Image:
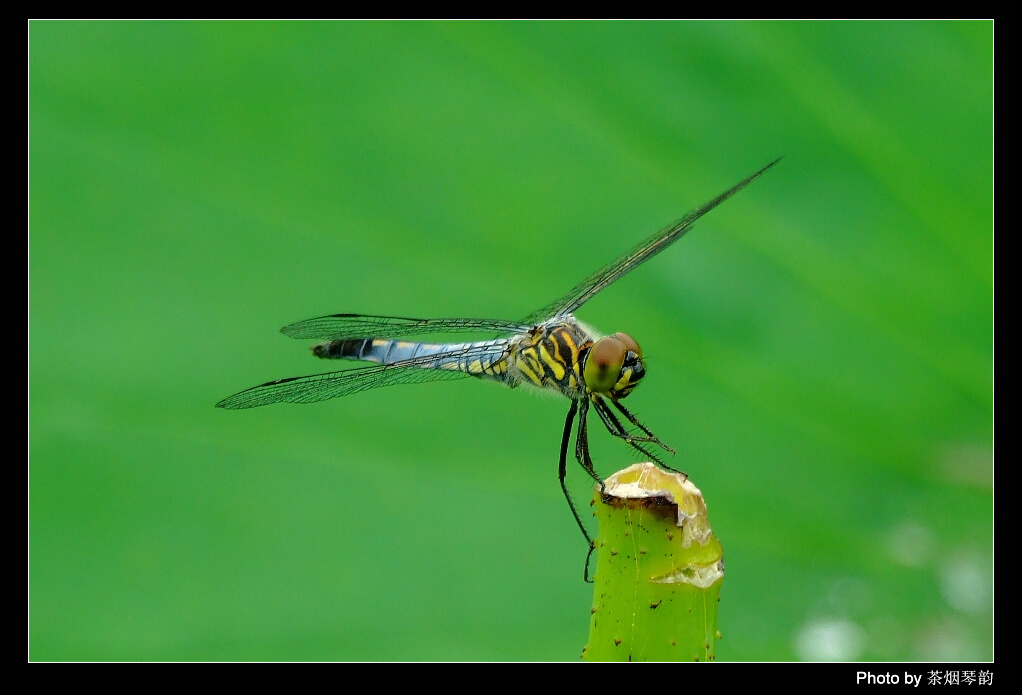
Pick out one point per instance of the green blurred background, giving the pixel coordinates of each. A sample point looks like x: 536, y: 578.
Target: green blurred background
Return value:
x: 819, y: 347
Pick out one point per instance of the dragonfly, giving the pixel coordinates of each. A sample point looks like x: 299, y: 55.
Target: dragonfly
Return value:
x: 549, y: 349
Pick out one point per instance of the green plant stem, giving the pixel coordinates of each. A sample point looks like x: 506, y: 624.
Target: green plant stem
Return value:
x: 658, y: 572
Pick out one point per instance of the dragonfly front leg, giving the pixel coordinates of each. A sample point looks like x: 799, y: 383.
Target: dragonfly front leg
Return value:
x: 635, y: 421
x: 615, y: 427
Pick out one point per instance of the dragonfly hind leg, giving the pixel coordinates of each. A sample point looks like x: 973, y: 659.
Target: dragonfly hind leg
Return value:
x: 562, y: 471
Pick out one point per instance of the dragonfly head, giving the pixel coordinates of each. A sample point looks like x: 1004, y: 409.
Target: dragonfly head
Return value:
x: 614, y: 366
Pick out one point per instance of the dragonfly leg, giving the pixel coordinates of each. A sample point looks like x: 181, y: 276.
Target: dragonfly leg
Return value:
x: 615, y: 427
x: 652, y: 437
x: 562, y: 470
x: 582, y: 444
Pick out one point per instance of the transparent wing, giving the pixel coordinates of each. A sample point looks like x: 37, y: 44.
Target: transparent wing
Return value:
x: 588, y: 288
x: 322, y: 387
x: 353, y: 326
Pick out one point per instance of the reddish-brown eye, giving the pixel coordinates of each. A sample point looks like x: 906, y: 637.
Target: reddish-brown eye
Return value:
x: 603, y: 364
x: 629, y: 343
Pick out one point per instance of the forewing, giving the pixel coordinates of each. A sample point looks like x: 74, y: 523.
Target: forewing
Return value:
x: 588, y: 288
x: 354, y: 326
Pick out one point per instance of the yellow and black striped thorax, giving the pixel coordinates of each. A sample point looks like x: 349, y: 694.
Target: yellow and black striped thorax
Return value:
x: 554, y: 355
x: 550, y: 356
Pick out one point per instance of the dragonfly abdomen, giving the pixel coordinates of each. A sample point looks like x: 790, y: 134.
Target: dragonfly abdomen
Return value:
x: 368, y: 349
x: 483, y: 359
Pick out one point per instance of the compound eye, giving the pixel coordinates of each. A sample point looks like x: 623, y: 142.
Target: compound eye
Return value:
x: 603, y: 364
x: 629, y: 343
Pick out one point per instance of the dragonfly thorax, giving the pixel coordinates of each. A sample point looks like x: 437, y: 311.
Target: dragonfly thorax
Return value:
x: 613, y: 366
